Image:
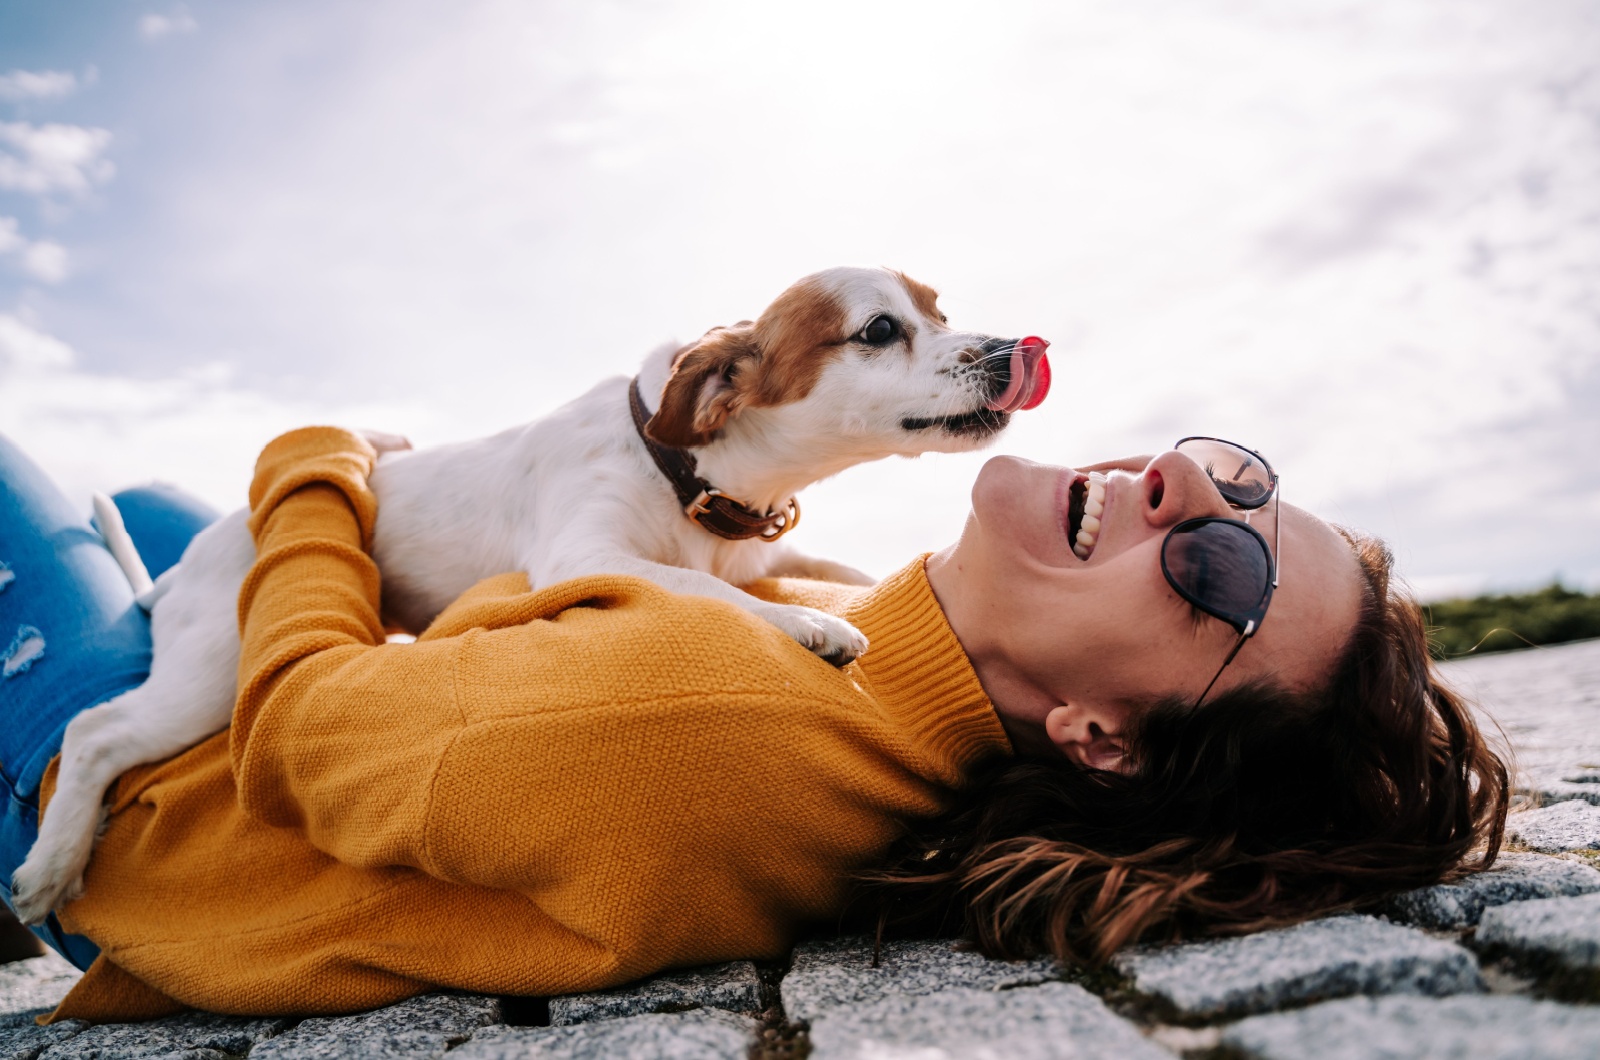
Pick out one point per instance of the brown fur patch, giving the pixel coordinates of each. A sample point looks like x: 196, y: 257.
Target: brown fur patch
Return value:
x: 708, y: 384
x: 776, y: 360
x: 800, y: 332
x: 925, y: 298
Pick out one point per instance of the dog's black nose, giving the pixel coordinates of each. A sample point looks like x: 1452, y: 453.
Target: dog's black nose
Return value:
x: 996, y: 363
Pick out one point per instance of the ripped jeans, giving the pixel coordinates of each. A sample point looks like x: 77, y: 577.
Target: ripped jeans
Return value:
x: 71, y: 635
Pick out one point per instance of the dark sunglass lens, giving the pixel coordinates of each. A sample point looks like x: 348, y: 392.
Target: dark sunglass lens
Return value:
x: 1240, y: 476
x: 1221, y: 566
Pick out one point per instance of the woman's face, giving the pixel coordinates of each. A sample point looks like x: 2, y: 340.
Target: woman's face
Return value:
x: 1069, y: 648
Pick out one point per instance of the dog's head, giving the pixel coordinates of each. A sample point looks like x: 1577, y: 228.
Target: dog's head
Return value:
x: 862, y: 358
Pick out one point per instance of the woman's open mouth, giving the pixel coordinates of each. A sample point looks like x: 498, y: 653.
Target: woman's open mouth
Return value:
x: 1086, y: 502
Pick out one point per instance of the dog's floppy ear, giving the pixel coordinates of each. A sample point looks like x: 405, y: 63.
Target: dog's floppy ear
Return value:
x: 707, y: 386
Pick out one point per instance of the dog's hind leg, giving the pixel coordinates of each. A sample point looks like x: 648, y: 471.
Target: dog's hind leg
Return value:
x: 188, y: 696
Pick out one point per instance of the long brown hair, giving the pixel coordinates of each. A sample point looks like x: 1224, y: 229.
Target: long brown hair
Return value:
x: 1261, y: 808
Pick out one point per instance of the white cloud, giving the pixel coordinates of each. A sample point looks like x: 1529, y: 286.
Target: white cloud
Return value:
x: 154, y: 26
x: 26, y: 352
x: 42, y: 159
x: 44, y: 260
x: 37, y: 84
x: 200, y: 429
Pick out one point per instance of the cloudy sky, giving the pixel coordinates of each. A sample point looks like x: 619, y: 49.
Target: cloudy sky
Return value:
x: 1363, y: 237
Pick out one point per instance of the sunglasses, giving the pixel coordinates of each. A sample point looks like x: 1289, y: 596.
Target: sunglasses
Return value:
x: 1222, y: 565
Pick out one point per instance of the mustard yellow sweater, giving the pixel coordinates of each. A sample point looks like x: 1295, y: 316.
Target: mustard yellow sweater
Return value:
x: 548, y: 792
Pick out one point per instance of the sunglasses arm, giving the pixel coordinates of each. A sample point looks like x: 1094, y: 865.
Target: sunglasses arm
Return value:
x: 1249, y: 629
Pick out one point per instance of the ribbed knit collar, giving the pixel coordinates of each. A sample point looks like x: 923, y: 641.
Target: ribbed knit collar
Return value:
x: 917, y: 669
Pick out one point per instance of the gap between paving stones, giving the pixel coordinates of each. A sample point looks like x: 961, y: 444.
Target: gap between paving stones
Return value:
x: 1314, y: 961
x: 1464, y: 1028
x: 1557, y: 940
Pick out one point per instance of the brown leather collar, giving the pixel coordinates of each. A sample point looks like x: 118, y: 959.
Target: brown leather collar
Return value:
x: 714, y: 510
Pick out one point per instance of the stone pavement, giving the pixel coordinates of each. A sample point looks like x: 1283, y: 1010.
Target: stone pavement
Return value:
x: 1505, y: 964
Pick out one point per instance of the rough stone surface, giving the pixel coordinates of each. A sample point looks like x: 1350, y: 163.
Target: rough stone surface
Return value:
x: 1327, y: 958
x: 22, y: 1039
x: 1053, y: 1021
x: 833, y: 972
x: 423, y: 1026
x: 704, y: 1034
x: 734, y: 986
x: 181, y: 1035
x: 1547, y: 701
x: 358, y: 1045
x: 1514, y: 878
x: 930, y: 1001
x: 1565, y: 931
x: 1458, y: 1028
x: 1570, y: 825
x: 36, y: 984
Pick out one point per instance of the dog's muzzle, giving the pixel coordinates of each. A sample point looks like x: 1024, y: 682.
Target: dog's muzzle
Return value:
x: 1022, y: 380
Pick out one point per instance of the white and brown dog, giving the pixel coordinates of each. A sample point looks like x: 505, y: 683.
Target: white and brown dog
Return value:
x: 846, y: 366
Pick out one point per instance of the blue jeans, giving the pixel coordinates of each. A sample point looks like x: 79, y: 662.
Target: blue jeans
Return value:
x: 71, y: 635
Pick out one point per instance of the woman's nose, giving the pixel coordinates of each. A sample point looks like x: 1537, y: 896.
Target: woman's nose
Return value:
x: 1176, y: 488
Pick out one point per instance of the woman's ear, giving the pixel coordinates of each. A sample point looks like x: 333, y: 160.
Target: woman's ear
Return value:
x: 1089, y: 736
x: 706, y: 387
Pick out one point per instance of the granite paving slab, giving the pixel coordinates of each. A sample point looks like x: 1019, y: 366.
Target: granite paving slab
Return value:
x: 35, y: 985
x: 832, y: 972
x: 22, y: 1039
x: 1547, y: 702
x: 703, y: 1034
x: 359, y: 1045
x: 421, y: 1027
x: 1570, y: 825
x: 734, y: 986
x: 1514, y: 878
x: 1051, y: 1021
x: 174, y: 1035
x: 1415, y: 1028
x: 1561, y: 931
x: 1328, y: 958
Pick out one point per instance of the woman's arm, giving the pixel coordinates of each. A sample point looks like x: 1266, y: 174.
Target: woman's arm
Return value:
x: 320, y: 695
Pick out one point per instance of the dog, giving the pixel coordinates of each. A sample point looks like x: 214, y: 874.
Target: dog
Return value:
x: 846, y: 366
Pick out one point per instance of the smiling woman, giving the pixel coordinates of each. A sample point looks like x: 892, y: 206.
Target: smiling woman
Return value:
x: 1328, y: 768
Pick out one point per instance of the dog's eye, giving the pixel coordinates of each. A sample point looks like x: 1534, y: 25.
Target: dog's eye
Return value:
x: 879, y: 331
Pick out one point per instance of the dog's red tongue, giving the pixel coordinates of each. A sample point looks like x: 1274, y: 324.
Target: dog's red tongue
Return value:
x: 1030, y: 376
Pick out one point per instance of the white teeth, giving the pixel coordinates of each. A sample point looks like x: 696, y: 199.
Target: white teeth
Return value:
x: 1094, y: 506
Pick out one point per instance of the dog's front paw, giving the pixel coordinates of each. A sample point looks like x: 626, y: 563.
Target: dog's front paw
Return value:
x: 40, y: 885
x: 832, y: 638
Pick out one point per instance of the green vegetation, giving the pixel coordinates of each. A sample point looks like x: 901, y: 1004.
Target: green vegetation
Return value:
x: 1551, y: 615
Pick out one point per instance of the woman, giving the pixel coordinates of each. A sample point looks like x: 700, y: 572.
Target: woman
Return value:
x: 569, y: 789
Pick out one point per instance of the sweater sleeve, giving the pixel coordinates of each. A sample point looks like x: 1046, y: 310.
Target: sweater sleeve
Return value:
x: 319, y: 690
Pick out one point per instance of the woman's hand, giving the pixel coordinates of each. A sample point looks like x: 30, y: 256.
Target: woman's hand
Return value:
x: 384, y: 442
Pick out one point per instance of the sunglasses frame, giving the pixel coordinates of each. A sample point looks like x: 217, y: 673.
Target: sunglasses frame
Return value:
x: 1245, y: 622
x: 1248, y: 622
